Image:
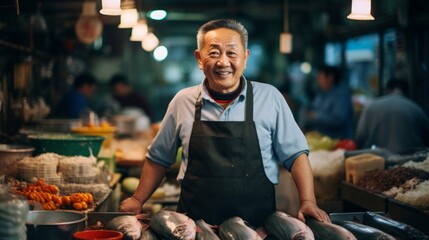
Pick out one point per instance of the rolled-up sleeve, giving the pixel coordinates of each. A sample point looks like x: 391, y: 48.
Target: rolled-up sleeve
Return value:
x: 288, y: 140
x: 163, y: 148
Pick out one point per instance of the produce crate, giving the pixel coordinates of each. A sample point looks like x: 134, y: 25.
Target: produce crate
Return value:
x: 360, y: 197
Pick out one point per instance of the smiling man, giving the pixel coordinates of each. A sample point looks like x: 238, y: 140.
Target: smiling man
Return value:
x: 230, y: 155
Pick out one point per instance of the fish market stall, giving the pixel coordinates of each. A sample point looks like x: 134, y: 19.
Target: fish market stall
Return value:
x: 399, y: 190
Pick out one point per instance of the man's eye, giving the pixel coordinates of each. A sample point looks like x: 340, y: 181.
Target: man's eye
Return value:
x: 213, y: 54
x: 232, y: 54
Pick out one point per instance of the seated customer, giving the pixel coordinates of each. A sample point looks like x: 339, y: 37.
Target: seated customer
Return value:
x: 331, y: 111
x: 77, y: 99
x: 126, y: 96
x: 393, y: 121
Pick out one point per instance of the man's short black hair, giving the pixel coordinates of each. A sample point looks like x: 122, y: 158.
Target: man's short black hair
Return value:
x: 397, y: 84
x: 84, y: 79
x: 333, y: 71
x: 118, y: 78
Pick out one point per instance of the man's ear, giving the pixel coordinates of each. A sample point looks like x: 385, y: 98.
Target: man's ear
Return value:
x: 197, y: 55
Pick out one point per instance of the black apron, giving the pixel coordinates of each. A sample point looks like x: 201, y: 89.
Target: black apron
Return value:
x: 225, y: 176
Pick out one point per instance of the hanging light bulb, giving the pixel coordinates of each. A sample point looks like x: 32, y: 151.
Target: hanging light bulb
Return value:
x: 129, y: 18
x: 286, y: 37
x: 150, y: 42
x: 129, y: 14
x: 139, y: 31
x: 88, y: 27
x: 285, y: 42
x: 111, y: 7
x: 361, y: 10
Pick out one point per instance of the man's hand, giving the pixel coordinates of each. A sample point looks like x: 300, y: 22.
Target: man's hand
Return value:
x: 130, y: 205
x: 309, y: 208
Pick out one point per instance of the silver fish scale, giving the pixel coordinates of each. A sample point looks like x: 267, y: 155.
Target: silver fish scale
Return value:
x: 205, y: 233
x: 236, y: 229
x: 173, y: 226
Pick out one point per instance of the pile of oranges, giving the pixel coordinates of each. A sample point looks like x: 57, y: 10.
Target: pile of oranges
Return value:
x: 47, y: 195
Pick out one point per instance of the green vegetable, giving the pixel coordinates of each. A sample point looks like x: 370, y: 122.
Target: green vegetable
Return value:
x: 129, y: 184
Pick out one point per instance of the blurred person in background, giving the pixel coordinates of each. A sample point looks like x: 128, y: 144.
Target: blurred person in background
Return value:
x: 331, y: 111
x: 126, y: 96
x: 393, y: 121
x: 74, y: 102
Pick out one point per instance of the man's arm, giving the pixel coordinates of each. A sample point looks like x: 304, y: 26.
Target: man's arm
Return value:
x: 151, y: 177
x: 303, y: 177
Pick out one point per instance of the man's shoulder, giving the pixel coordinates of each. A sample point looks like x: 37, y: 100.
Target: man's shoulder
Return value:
x: 186, y: 94
x: 265, y: 87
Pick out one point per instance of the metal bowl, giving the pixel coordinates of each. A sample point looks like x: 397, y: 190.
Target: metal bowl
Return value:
x: 10, y: 154
x: 59, y: 224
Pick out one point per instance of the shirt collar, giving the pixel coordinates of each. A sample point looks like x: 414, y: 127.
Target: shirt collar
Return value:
x: 205, y: 94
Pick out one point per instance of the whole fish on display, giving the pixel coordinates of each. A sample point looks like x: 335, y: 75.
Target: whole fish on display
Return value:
x: 328, y: 231
x: 235, y: 228
x: 204, y: 231
x: 128, y: 225
x: 395, y: 228
x: 281, y: 226
x: 362, y: 231
x: 173, y: 225
x: 148, y: 235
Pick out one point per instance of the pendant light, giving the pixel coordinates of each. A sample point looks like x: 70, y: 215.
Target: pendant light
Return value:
x: 129, y: 14
x: 150, y: 42
x: 361, y: 10
x: 286, y: 37
x: 111, y: 7
x: 140, y: 30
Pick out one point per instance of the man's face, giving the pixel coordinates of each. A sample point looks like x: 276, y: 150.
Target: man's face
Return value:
x: 88, y: 90
x: 222, y: 59
x: 325, y: 82
x: 120, y: 89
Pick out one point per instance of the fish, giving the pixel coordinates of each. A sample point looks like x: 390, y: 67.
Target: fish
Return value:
x: 281, y: 226
x: 235, y: 228
x: 173, y: 225
x: 128, y: 225
x: 395, y: 228
x: 205, y: 231
x: 362, y: 231
x: 328, y: 231
x: 148, y: 234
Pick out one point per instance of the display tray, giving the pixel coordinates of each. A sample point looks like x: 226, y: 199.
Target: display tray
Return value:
x: 410, y: 215
x: 359, y: 196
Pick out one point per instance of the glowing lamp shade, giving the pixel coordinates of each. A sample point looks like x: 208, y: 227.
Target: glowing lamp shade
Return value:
x: 129, y: 18
x: 285, y: 42
x: 361, y: 10
x: 150, y: 42
x: 139, y: 31
x: 111, y: 7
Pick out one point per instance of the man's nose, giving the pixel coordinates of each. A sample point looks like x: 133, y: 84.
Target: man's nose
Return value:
x: 223, y: 60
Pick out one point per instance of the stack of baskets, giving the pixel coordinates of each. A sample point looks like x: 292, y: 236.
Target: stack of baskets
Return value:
x: 78, y: 169
x: 43, y: 166
x: 57, y: 169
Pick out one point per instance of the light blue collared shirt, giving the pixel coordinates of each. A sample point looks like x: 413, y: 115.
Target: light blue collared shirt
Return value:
x: 280, y: 138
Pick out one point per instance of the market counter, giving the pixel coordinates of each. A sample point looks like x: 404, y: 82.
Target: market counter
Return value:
x: 357, y: 199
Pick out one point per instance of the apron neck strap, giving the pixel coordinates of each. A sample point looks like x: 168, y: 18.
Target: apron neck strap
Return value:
x: 249, y: 103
